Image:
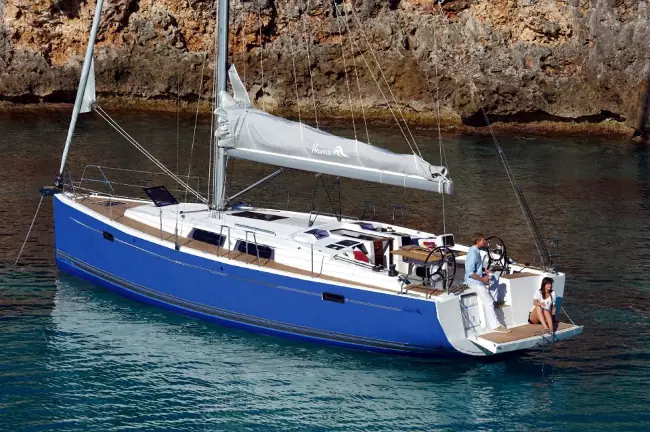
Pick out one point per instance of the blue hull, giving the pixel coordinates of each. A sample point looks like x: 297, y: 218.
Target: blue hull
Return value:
x: 243, y: 297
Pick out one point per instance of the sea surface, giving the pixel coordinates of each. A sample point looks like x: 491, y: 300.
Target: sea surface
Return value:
x: 76, y: 357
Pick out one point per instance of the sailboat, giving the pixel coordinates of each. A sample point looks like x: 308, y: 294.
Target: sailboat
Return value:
x: 322, y: 278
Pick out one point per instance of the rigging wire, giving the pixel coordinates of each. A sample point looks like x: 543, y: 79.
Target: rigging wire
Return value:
x: 307, y: 36
x: 259, y: 21
x: 356, y: 73
x: 178, y: 118
x: 345, y: 68
x: 212, y: 131
x: 295, y: 76
x: 295, y: 80
x: 213, y: 127
x: 29, y: 231
x: 106, y: 168
x: 196, y: 120
x: 536, y: 235
x: 440, y: 144
x: 443, y: 155
x: 243, y: 45
x: 372, y: 51
x: 146, y: 153
x: 388, y: 104
x: 538, y: 240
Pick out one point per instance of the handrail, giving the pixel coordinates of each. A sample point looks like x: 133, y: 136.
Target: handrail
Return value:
x: 365, y: 207
x: 329, y: 214
x: 257, y: 249
x: 396, y: 207
x: 466, y: 318
x: 401, y: 207
x: 221, y: 235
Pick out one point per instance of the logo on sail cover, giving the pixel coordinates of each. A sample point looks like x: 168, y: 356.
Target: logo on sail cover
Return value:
x: 338, y: 151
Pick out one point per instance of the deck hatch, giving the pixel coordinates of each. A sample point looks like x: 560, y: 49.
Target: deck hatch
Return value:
x: 336, y: 298
x: 160, y: 196
x: 259, y: 216
x: 355, y: 235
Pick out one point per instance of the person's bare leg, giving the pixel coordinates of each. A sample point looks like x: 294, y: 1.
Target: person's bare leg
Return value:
x: 541, y: 318
x: 549, y: 319
x: 534, y: 318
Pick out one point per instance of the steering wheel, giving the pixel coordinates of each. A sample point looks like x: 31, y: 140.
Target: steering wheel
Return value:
x: 440, y: 266
x: 497, y: 254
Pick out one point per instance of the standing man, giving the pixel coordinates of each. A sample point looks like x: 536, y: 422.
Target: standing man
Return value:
x: 475, y: 278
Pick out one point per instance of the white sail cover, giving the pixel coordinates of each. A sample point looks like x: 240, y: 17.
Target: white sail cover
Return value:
x: 248, y: 133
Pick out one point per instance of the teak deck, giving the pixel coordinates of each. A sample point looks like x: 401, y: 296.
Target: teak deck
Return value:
x: 116, y: 211
x: 521, y: 332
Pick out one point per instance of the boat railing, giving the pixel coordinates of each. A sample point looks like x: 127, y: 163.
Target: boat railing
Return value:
x: 96, y: 180
x: 129, y: 183
x: 328, y: 214
x: 399, y: 207
x: 373, y: 205
x: 104, y: 179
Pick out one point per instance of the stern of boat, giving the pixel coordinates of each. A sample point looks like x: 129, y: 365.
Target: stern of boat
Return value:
x: 524, y: 337
x: 462, y: 316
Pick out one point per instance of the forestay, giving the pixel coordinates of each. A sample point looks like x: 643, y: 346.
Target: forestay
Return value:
x: 248, y: 133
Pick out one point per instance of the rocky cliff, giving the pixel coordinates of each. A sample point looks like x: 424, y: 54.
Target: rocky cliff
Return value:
x: 519, y: 60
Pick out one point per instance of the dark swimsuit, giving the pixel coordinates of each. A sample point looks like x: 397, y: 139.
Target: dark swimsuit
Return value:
x: 530, y: 322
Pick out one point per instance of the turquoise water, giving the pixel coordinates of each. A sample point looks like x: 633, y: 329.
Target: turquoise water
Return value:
x: 77, y: 357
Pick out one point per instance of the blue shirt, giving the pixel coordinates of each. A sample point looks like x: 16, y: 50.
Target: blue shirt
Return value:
x: 473, y: 264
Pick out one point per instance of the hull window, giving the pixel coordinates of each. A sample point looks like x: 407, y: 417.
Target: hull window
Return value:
x: 336, y: 298
x: 108, y: 236
x: 208, y: 237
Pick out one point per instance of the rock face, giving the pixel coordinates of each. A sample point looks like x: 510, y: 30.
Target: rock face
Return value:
x: 519, y: 60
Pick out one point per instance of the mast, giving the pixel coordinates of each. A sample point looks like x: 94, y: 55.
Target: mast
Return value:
x: 81, y: 89
x: 218, y: 198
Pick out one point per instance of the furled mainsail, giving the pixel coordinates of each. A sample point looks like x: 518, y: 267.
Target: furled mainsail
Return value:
x: 251, y: 134
x: 89, y: 91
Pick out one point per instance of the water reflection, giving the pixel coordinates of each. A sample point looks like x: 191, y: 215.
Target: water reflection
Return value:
x: 102, y: 342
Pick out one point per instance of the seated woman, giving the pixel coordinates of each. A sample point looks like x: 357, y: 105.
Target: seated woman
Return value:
x: 543, y: 310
